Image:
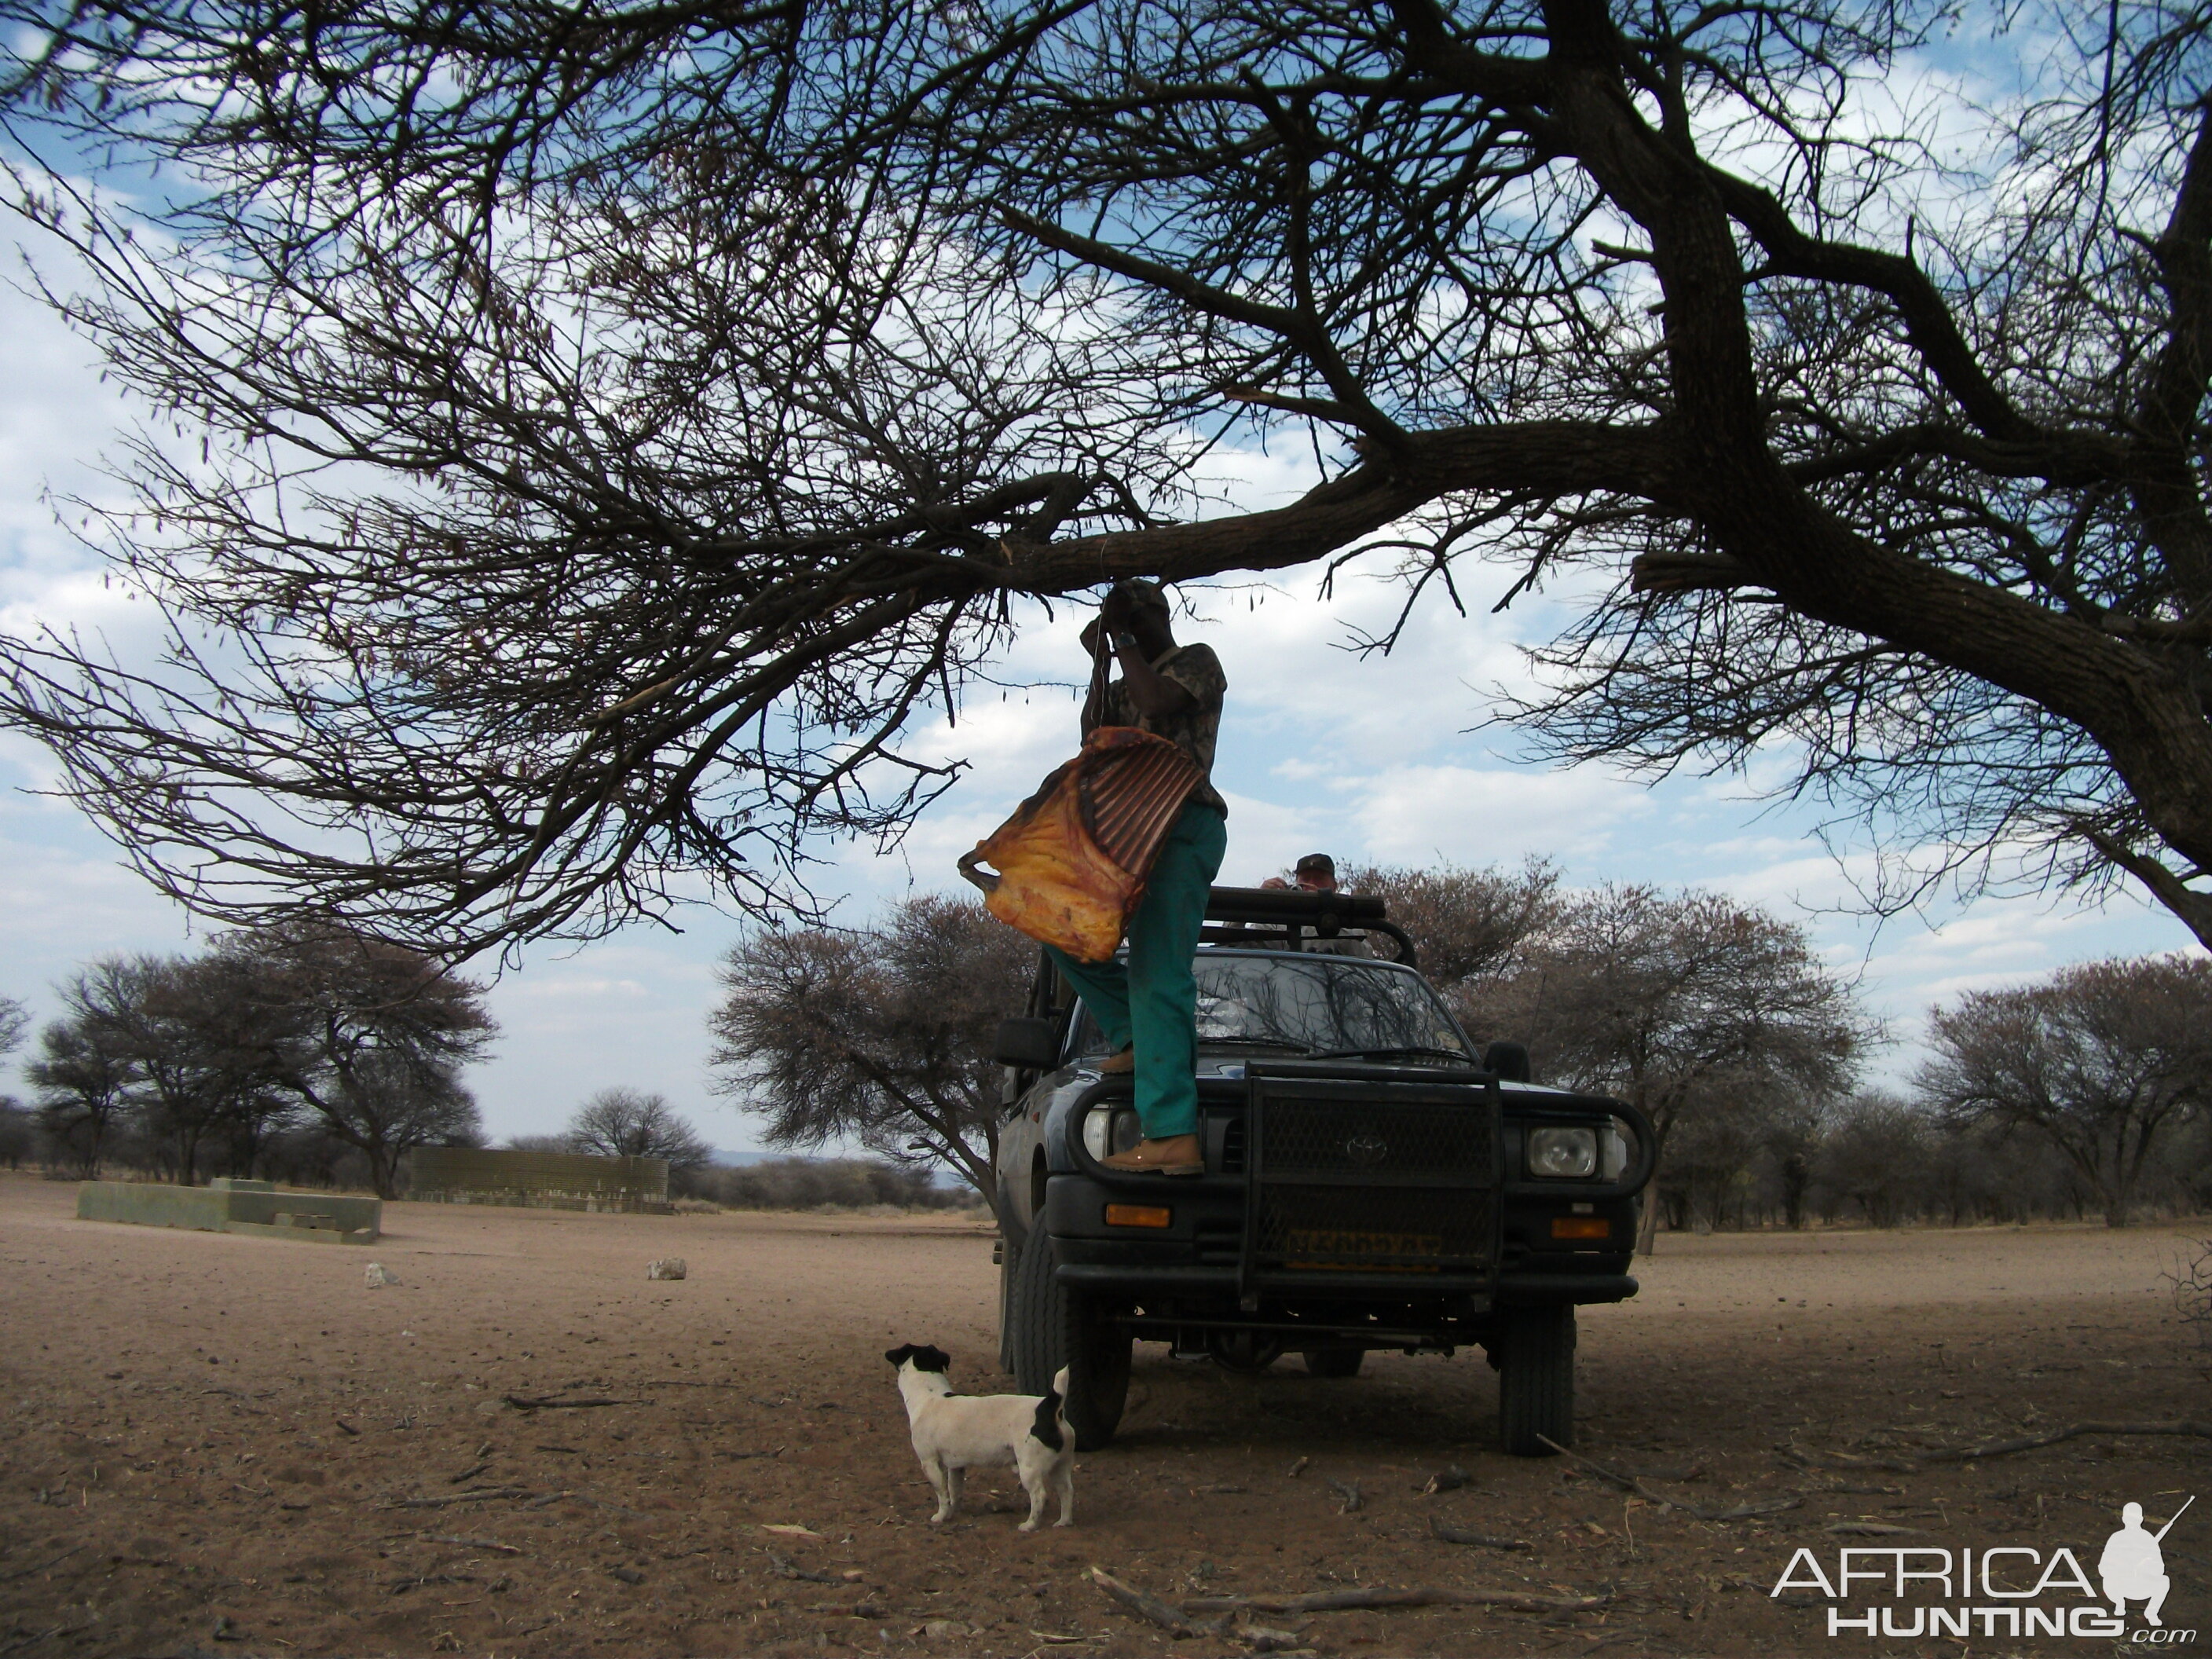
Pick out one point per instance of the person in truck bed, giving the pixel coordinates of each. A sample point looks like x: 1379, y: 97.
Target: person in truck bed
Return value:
x: 1148, y: 1008
x: 1316, y: 873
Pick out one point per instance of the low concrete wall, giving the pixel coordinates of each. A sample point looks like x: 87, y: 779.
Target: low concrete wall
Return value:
x: 554, y: 1181
x: 145, y: 1203
x: 252, y: 1207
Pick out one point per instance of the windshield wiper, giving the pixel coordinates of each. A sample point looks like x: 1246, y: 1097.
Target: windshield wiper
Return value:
x: 1248, y: 1043
x: 1388, y: 1051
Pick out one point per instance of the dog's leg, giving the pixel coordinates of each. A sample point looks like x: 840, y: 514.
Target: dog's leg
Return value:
x: 1036, y: 1476
x: 1063, y: 1477
x: 941, y: 1482
x: 953, y: 1474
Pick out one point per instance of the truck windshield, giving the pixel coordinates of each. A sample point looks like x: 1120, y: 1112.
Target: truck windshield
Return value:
x: 1320, y: 1003
x: 1317, y: 1004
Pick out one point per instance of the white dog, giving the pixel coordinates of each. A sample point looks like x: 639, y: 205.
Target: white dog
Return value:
x: 953, y: 1432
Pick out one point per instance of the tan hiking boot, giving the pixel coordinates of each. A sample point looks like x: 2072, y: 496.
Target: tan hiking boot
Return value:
x: 1121, y: 1064
x: 1178, y: 1155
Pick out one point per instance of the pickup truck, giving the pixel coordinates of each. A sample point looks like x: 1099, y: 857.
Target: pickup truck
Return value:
x: 1371, y: 1181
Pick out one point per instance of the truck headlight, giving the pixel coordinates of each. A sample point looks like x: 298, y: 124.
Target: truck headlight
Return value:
x: 1108, y: 1130
x: 1563, y: 1154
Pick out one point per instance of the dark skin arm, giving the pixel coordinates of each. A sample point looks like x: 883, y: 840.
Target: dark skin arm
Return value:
x: 1139, y: 635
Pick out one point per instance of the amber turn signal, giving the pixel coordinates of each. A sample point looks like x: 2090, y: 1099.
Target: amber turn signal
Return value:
x: 1138, y: 1215
x: 1574, y: 1226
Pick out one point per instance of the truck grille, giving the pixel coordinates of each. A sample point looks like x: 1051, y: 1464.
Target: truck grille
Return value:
x: 1373, y: 1186
x: 1376, y: 1142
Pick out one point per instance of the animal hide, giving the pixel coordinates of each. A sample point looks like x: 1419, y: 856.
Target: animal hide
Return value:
x: 1072, y: 860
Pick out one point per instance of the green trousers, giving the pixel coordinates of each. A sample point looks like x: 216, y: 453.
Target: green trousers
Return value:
x: 1153, y: 1001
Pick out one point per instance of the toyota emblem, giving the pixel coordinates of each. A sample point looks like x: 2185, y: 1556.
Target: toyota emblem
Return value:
x: 1366, y: 1149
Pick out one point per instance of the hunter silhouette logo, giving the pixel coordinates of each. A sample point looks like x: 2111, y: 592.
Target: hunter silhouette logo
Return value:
x: 2133, y: 1567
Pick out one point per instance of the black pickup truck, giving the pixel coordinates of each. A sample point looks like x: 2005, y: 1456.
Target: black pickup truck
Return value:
x: 1372, y: 1181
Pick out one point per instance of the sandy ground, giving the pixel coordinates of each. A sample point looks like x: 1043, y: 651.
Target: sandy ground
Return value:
x: 219, y: 1446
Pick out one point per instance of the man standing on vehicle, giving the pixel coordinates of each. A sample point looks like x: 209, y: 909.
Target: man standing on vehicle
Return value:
x: 1148, y: 1010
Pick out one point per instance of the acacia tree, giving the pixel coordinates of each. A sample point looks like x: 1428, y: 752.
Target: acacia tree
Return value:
x: 198, y: 1054
x: 2104, y: 1061
x: 83, y: 1075
x: 1465, y: 924
x: 621, y: 419
x: 624, y: 1124
x: 371, y: 1036
x: 880, y: 1035
x: 1674, y: 1002
x: 14, y: 1122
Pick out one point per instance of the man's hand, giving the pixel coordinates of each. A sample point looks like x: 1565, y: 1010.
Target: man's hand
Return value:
x: 1117, y: 611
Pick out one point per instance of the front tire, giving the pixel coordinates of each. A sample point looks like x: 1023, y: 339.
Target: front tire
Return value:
x: 1008, y: 1259
x: 1052, y: 1326
x: 1536, y: 1355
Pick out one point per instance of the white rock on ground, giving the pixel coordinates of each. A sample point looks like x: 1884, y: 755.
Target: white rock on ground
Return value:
x: 378, y: 1275
x: 669, y: 1266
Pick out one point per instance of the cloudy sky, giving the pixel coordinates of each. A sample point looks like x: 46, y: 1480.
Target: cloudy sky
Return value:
x: 1373, y: 760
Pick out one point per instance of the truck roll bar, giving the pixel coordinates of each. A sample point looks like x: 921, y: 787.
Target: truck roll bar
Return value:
x: 1287, y: 913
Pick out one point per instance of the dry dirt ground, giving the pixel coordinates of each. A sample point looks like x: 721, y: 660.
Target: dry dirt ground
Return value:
x: 221, y: 1446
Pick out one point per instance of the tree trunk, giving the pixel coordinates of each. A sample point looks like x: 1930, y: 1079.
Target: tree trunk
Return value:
x: 1647, y: 1237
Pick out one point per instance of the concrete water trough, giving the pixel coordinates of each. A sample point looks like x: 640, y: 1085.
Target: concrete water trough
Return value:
x: 228, y: 1205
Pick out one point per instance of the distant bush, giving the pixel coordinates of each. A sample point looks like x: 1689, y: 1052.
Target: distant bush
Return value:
x: 808, y: 1184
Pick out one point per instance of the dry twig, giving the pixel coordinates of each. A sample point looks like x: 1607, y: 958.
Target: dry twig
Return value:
x: 1438, y: 1530
x: 1354, y: 1599
x: 1629, y: 1483
x: 476, y: 1497
x: 1907, y: 1463
x: 1151, y: 1608
x: 785, y: 1569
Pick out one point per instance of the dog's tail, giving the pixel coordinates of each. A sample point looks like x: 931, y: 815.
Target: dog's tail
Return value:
x: 1052, y: 1413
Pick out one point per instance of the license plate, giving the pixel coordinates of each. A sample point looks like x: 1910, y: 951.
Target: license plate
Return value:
x: 1323, y: 1250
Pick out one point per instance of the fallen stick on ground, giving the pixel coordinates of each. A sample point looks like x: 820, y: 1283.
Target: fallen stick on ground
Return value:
x: 2034, y: 1442
x: 1908, y: 1462
x: 785, y: 1569
x: 1482, y: 1541
x: 1629, y: 1483
x: 472, y: 1543
x: 37, y: 1636
x: 1354, y: 1599
x: 1148, y: 1607
x: 476, y: 1497
x: 525, y: 1403
x: 27, y: 1572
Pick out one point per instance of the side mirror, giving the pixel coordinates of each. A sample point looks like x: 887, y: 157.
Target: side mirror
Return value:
x: 1027, y: 1044
x: 1509, y: 1062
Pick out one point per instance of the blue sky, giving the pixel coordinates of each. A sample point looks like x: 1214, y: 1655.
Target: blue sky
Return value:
x: 1372, y: 760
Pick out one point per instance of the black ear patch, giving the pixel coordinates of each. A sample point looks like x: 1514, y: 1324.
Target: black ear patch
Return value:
x: 923, y: 1357
x: 1046, y: 1428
